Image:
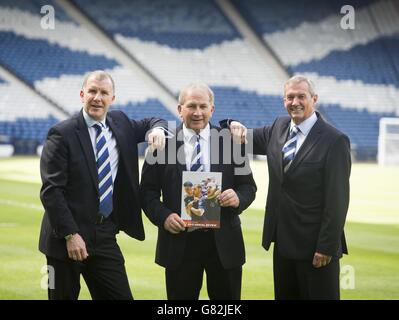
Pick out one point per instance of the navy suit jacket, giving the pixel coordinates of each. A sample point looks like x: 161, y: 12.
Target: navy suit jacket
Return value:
x: 69, y: 191
x: 306, y: 207
x: 166, y: 179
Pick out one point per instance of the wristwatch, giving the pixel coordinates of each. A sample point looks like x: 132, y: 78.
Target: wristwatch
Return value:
x: 69, y: 236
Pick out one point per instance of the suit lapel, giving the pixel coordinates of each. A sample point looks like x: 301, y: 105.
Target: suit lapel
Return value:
x: 215, y: 166
x: 180, y: 154
x: 310, y: 141
x: 281, y: 140
x: 123, y: 146
x: 85, y: 142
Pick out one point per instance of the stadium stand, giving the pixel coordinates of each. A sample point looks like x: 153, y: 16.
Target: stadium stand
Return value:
x: 360, y: 66
x: 24, y: 117
x: 182, y: 41
x: 54, y: 64
x: 177, y: 42
x: 33, y: 7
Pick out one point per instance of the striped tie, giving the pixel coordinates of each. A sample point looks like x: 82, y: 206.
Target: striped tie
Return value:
x: 105, y: 185
x: 289, y: 148
x: 197, y: 155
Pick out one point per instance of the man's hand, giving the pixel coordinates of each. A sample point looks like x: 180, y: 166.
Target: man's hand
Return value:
x: 156, y: 139
x: 76, y: 248
x: 174, y: 224
x: 320, y: 260
x: 229, y: 198
x: 238, y: 132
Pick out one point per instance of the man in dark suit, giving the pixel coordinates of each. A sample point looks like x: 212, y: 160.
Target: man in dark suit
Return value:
x: 218, y: 252
x: 309, y: 165
x: 89, y: 170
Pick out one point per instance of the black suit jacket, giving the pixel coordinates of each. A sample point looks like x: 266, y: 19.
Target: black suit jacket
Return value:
x: 306, y: 207
x: 69, y: 191
x: 166, y: 179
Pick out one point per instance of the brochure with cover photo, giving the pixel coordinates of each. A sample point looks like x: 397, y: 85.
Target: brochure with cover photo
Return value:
x: 200, y: 208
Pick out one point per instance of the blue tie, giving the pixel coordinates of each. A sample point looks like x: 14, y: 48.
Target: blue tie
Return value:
x: 195, y: 164
x: 289, y: 148
x: 105, y: 185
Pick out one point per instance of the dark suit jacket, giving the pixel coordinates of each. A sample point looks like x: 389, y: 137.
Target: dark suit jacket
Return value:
x: 306, y: 207
x: 167, y: 178
x: 70, y: 181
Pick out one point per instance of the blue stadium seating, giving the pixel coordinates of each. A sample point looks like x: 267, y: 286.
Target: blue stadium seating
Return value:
x: 361, y: 126
x: 376, y: 62
x: 34, y: 60
x: 175, y: 23
x: 274, y: 15
x: 150, y: 108
x: 197, y: 25
x: 27, y: 128
x: 252, y: 109
x: 185, y: 25
x: 34, y: 6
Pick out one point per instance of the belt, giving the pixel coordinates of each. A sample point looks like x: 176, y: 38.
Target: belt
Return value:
x: 100, y: 219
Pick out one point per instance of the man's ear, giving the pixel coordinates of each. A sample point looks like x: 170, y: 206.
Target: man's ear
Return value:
x: 315, y: 97
x: 81, y: 94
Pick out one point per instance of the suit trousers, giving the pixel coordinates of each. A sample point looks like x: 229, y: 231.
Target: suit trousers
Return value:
x: 103, y: 271
x: 299, y: 280
x: 185, y: 282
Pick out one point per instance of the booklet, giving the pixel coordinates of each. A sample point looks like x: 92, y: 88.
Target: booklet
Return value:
x: 199, y: 206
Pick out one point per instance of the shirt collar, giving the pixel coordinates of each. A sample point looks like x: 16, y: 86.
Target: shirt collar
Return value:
x: 91, y: 122
x: 306, y: 125
x: 189, y: 133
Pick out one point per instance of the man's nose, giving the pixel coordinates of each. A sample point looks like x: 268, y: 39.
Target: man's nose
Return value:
x: 197, y: 111
x: 296, y: 102
x: 97, y: 96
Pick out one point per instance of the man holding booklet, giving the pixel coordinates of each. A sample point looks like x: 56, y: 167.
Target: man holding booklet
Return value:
x: 202, y: 169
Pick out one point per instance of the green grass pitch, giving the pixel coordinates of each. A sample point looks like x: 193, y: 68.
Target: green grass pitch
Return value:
x: 370, y: 271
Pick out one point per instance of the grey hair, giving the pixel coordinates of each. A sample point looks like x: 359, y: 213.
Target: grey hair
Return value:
x: 196, y: 85
x: 298, y: 79
x: 99, y: 75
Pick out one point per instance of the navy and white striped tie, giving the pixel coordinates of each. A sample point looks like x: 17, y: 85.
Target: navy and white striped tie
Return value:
x: 289, y: 148
x: 105, y: 184
x: 196, y: 158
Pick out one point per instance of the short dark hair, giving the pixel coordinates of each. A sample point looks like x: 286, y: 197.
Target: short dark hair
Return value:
x: 188, y: 184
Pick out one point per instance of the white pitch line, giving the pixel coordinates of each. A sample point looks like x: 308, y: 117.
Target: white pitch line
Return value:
x: 21, y: 204
x: 8, y: 225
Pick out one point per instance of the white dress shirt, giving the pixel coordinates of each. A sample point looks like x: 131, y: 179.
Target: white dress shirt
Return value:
x: 189, y: 144
x: 111, y: 142
x: 304, y: 129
